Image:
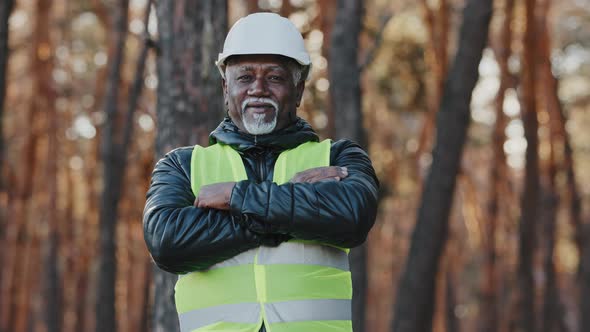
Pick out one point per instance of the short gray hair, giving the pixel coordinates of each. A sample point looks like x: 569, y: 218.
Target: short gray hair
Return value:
x: 296, y: 70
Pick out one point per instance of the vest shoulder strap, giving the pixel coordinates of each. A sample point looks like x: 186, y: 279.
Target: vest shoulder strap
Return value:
x: 305, y: 156
x: 214, y: 164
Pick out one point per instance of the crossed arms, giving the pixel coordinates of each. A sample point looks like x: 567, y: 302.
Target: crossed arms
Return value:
x: 328, y: 205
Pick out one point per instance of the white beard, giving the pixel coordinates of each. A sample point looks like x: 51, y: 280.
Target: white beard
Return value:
x: 256, y: 125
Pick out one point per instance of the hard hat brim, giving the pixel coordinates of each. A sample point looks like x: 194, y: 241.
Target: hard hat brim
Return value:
x: 303, y: 60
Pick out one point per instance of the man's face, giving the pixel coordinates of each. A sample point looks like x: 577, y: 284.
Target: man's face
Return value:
x: 260, y: 93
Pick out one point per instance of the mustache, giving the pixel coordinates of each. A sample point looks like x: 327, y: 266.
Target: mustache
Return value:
x: 259, y: 100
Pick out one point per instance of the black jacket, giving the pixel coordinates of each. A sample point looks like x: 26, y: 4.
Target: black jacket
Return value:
x: 182, y: 238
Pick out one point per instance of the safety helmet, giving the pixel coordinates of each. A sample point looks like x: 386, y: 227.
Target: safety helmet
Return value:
x: 264, y: 33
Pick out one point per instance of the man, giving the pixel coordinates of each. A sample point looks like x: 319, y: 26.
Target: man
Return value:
x: 258, y: 223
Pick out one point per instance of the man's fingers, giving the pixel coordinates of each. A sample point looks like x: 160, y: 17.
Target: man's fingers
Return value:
x: 296, y: 178
x: 320, y: 174
x: 329, y: 179
x: 199, y: 203
x: 344, y: 171
x: 333, y: 172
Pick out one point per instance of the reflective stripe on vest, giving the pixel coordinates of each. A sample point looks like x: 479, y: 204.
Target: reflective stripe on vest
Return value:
x: 297, y: 286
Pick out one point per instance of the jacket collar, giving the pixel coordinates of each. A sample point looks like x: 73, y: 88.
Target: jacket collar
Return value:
x: 287, y: 138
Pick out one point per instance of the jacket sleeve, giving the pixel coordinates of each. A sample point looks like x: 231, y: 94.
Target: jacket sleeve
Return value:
x: 337, y: 213
x: 180, y: 237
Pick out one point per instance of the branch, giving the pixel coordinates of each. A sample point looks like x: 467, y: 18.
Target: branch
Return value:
x: 370, y: 57
x: 136, y: 88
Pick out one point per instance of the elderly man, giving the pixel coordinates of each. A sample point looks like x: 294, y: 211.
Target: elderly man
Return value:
x: 258, y: 224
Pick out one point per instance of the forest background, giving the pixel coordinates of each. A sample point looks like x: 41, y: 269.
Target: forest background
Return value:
x: 475, y: 114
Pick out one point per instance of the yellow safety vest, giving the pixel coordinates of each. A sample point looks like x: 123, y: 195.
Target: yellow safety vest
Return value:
x: 297, y: 286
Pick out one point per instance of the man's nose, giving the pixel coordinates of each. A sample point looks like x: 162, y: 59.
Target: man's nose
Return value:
x: 258, y: 87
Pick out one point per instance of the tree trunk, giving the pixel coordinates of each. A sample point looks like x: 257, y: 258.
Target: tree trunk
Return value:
x: 345, y: 90
x: 345, y: 100
x: 190, y: 102
x: 136, y: 88
x: 286, y: 9
x: 552, y: 313
x: 550, y: 202
x: 85, y: 313
x: 452, y: 323
x: 111, y: 157
x: 5, y: 9
x: 28, y: 245
x: 558, y: 122
x: 530, y: 195
x: 146, y: 306
x: 326, y: 23
x: 51, y: 301
x: 585, y: 282
x: 252, y: 6
x: 438, y: 36
x: 415, y: 297
x: 70, y: 240
x: 86, y: 279
x: 488, y: 321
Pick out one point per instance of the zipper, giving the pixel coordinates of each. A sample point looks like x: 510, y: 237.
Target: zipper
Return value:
x: 260, y: 161
x: 259, y: 168
x: 260, y: 285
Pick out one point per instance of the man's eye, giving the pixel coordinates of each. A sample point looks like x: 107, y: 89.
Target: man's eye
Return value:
x: 275, y: 78
x: 244, y: 77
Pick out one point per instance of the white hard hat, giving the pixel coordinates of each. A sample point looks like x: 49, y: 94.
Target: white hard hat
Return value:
x: 264, y: 33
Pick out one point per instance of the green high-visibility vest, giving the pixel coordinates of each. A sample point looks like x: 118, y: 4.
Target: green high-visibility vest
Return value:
x: 297, y: 286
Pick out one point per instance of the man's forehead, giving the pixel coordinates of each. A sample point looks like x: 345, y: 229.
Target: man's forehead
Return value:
x: 254, y: 60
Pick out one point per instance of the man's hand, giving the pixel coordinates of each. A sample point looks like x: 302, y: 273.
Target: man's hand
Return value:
x: 318, y: 174
x: 215, y: 196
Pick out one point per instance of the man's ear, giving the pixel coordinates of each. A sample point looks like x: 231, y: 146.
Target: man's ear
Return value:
x: 299, y: 88
x: 224, y: 87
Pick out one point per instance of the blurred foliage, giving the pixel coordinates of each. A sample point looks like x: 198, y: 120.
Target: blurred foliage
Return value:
x: 397, y: 91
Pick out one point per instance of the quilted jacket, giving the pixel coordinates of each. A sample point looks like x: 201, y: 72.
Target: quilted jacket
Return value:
x: 182, y: 238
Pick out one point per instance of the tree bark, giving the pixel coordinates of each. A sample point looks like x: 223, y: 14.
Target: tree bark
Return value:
x: 552, y: 314
x: 137, y: 87
x: 86, y: 280
x: 27, y: 269
x: 530, y: 195
x: 286, y: 9
x: 414, y: 304
x: 190, y: 102
x: 136, y: 299
x: 326, y: 23
x: 52, y: 300
x: 550, y: 202
x: 488, y: 321
x: 585, y: 282
x: 345, y: 100
x: 558, y: 122
x: 85, y: 284
x: 345, y: 90
x: 5, y: 10
x: 111, y: 157
x: 438, y: 36
x: 452, y: 323
x: 252, y: 6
